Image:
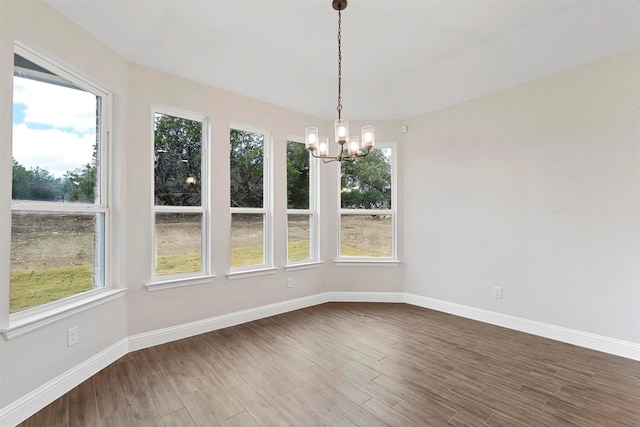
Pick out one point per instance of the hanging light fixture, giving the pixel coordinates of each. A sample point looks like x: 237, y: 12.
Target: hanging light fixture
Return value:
x: 319, y: 145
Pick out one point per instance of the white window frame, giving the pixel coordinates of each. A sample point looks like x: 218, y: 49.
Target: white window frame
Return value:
x: 33, y: 318
x: 266, y: 210
x: 205, y: 275
x: 311, y: 212
x: 393, y: 212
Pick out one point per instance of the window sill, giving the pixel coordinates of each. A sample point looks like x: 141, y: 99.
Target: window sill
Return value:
x: 32, y: 322
x: 179, y: 282
x: 366, y: 262
x: 232, y: 275
x: 303, y: 266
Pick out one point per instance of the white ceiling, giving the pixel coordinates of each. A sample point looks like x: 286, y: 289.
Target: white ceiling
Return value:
x: 401, y: 58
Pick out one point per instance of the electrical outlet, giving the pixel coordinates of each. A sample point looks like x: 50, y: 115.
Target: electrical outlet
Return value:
x: 290, y: 282
x: 497, y: 292
x: 72, y: 336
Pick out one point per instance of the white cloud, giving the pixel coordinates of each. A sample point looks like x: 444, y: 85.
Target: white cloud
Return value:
x: 56, y: 106
x: 54, y: 149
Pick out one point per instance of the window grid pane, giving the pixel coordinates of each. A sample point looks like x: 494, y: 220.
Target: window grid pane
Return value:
x: 247, y: 169
x: 366, y: 236
x: 298, y: 237
x: 366, y: 183
x: 297, y: 176
x: 247, y: 239
x: 178, y: 243
x: 53, y: 256
x: 55, y: 150
x: 177, y: 161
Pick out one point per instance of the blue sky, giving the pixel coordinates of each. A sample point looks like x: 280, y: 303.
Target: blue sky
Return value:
x: 53, y: 126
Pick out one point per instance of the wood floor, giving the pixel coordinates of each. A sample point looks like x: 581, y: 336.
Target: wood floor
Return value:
x: 357, y: 364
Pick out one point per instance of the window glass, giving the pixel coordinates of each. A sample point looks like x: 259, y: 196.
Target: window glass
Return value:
x: 178, y: 161
x: 365, y: 235
x: 367, y: 211
x: 366, y: 183
x: 53, y: 256
x: 247, y: 169
x: 178, y: 243
x: 55, y: 137
x: 179, y: 220
x: 298, y: 237
x: 297, y: 176
x: 247, y: 239
x: 250, y: 216
x: 57, y: 239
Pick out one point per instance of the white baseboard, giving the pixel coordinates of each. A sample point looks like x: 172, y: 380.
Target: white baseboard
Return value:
x: 614, y: 346
x: 161, y: 336
x: 366, y: 296
x: 29, y: 404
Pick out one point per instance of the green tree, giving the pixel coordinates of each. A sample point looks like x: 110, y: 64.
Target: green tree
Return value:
x: 34, y: 184
x: 178, y: 159
x: 246, y: 169
x: 297, y: 176
x: 20, y: 182
x: 366, y: 182
x: 80, y: 184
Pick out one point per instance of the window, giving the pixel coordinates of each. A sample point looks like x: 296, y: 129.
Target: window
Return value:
x: 367, y: 207
x: 180, y: 194
x: 60, y: 215
x: 301, y: 205
x: 250, y: 203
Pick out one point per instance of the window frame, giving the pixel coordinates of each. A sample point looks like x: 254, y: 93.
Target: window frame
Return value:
x: 267, y: 266
x: 205, y: 275
x: 36, y: 317
x: 343, y: 260
x: 311, y: 211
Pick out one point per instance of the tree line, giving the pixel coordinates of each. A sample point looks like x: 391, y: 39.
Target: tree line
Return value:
x: 78, y: 185
x: 366, y: 183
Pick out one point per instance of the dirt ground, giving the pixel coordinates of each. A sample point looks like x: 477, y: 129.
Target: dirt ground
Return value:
x: 44, y: 241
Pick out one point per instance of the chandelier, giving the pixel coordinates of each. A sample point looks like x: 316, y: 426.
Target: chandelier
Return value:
x: 318, y: 146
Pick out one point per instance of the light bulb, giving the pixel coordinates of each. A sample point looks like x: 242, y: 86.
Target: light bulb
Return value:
x: 353, y: 145
x: 311, y: 138
x: 323, y: 146
x: 368, y: 137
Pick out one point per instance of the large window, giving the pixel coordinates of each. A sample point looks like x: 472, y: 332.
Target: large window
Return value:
x: 250, y: 205
x: 367, y: 207
x: 180, y: 194
x: 301, y: 205
x: 60, y: 216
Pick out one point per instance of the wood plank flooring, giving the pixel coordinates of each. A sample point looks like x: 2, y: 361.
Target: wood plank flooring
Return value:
x: 357, y: 364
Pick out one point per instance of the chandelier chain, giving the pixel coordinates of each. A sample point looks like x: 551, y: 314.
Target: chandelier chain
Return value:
x: 349, y: 146
x: 339, y: 63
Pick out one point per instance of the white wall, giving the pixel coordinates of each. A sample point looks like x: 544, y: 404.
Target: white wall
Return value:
x: 32, y: 360
x: 534, y: 189
x: 149, y: 311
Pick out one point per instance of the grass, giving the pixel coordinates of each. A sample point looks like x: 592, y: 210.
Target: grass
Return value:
x: 33, y: 288
x: 351, y: 251
x: 298, y: 251
x: 177, y: 264
x: 250, y: 255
